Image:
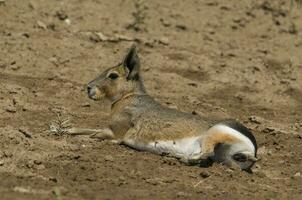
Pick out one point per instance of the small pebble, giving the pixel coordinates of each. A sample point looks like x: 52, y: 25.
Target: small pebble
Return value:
x: 181, y: 27
x: 25, y: 132
x: 163, y: 40
x: 15, y: 67
x: 37, y: 162
x: 269, y: 152
x: 260, y: 174
x: 53, y: 179
x: 41, y: 25
x: 40, y: 167
x: 268, y: 129
x: 67, y: 21
x: 11, y: 109
x: 181, y: 194
x: 192, y: 84
x: 109, y: 158
x: 165, y: 23
x: 205, y: 174
x: 255, y: 119
x: 61, y: 15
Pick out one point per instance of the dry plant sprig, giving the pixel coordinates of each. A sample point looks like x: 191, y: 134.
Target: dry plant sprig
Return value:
x: 60, y: 126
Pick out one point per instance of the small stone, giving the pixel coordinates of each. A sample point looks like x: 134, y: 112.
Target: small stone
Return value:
x: 60, y: 190
x: 205, y: 174
x: 260, y: 174
x: 54, y: 60
x: 237, y: 19
x: 61, y: 15
x: 91, y: 179
x: 163, y: 40
x: 30, y: 164
x: 26, y: 35
x: 32, y: 5
x: 154, y: 181
x: 262, y: 150
x: 194, y: 112
x: 53, y: 179
x: 37, y: 162
x: 67, y: 21
x: 7, y: 154
x: 298, y: 174
x: 255, y: 119
x: 99, y: 37
x: 25, y: 132
x: 85, y: 105
x: 268, y: 129
x: 109, y: 158
x: 52, y: 26
x: 230, y: 171
x: 165, y: 23
x: 1, y: 162
x: 149, y: 43
x: 173, y: 106
x: 21, y: 189
x: 41, y: 25
x: 181, y: 194
x: 181, y: 27
x: 122, y: 178
x: 3, y: 65
x: 119, y: 37
x: 15, y: 67
x: 40, y: 167
x: 192, y: 84
x: 11, y: 109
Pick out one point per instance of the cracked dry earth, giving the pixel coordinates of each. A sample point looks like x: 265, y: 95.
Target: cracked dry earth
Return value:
x: 219, y: 59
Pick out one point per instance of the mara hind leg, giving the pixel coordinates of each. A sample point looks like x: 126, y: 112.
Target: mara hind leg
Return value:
x: 185, y: 150
x: 231, y: 144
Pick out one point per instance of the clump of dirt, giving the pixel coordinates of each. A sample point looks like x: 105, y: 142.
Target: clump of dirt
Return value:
x: 219, y: 59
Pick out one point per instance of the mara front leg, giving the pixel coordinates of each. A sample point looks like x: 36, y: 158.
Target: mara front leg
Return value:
x: 62, y: 127
x: 101, y: 134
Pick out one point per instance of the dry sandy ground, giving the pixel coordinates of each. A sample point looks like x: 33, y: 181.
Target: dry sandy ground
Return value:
x: 220, y: 59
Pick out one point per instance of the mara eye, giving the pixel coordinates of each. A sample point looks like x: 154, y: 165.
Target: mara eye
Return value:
x: 240, y: 157
x: 113, y: 76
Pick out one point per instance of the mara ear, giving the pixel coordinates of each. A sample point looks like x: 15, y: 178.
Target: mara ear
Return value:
x: 132, y: 64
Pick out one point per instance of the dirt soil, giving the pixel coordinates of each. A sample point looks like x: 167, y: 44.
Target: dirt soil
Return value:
x: 219, y: 59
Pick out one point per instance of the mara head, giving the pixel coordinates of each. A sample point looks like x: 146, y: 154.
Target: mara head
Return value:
x: 118, y: 81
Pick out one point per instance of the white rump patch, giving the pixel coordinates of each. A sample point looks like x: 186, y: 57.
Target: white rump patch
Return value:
x: 221, y: 128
